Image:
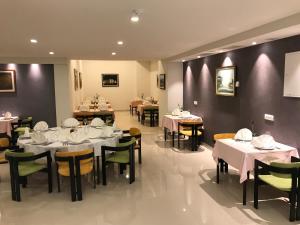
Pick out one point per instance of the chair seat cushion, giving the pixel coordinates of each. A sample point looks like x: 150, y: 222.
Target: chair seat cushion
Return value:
x: 85, y: 168
x: 4, y: 142
x: 119, y: 157
x: 280, y: 183
x: 20, y: 130
x: 27, y: 168
x: 189, y: 132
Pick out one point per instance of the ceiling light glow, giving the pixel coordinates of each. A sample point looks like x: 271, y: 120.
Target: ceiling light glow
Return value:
x: 199, y: 56
x: 34, y: 41
x: 135, y: 16
x: 254, y: 43
x: 51, y: 53
x: 113, y: 53
x: 120, y: 42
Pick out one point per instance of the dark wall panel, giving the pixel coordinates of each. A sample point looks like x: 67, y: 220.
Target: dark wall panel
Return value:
x: 260, y: 71
x: 35, y: 93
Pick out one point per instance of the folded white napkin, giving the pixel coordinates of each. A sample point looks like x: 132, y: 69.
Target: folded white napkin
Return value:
x: 97, y: 122
x: 107, y: 131
x: 71, y: 122
x: 77, y: 137
x: 264, y: 141
x: 185, y: 113
x: 95, y: 133
x: 41, y: 126
x: 84, y: 108
x: 146, y: 103
x: 7, y: 115
x: 26, y: 132
x: 103, y: 106
x: 243, y: 135
x: 38, y: 138
x: 176, y: 112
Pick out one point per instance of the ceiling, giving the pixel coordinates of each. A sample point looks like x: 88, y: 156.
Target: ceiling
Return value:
x: 90, y: 29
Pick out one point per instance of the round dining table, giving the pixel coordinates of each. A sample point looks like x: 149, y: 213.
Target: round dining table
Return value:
x: 58, y: 139
x: 5, y: 124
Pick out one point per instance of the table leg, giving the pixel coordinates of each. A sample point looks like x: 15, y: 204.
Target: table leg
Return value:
x: 218, y: 172
x: 173, y: 137
x: 165, y: 132
x: 245, y: 189
x: 98, y: 170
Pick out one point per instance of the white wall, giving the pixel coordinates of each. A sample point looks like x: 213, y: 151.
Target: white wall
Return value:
x: 119, y: 97
x: 174, y: 85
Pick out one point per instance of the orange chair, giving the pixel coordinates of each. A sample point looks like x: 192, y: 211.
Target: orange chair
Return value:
x: 74, y: 165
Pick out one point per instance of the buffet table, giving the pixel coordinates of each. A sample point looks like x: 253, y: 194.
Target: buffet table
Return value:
x: 5, y: 124
x: 241, y: 155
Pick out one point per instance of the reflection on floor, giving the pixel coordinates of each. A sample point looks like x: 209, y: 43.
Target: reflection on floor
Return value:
x: 171, y: 187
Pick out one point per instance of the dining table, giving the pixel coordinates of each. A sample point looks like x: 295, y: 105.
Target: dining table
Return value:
x: 142, y: 107
x: 170, y: 123
x: 94, y: 113
x: 242, y: 154
x: 5, y: 124
x: 134, y: 104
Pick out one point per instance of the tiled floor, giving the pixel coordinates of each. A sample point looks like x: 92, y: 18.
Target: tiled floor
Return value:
x: 172, y: 188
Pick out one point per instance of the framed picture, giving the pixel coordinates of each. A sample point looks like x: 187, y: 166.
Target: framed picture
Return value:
x: 7, y: 81
x: 225, y: 80
x: 75, y: 80
x: 162, y: 81
x: 110, y: 80
x: 80, y: 80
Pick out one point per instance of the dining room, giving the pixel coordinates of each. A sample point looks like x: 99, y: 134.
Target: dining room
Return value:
x: 143, y: 117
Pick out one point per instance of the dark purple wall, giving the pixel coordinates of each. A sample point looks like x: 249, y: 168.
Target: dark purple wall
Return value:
x: 35, y: 93
x: 260, y: 71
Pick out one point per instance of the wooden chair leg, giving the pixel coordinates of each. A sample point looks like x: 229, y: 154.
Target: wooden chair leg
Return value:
x: 73, y: 188
x: 255, y: 198
x: 78, y: 187
x: 292, y: 205
x: 98, y: 169
x: 140, y: 155
x: 218, y: 172
x: 50, y: 183
x: 103, y: 173
x: 18, y: 192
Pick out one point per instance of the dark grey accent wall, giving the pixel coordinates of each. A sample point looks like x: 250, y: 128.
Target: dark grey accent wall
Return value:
x: 35, y: 93
x: 260, y: 71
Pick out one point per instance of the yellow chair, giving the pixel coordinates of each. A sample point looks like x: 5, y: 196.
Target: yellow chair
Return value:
x: 221, y: 162
x: 74, y: 165
x: 192, y: 129
x: 4, y: 144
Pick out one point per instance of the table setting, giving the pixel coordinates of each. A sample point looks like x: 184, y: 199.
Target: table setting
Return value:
x: 70, y: 137
x: 5, y: 122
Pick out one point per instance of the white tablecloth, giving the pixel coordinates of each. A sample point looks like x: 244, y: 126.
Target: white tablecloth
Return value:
x: 96, y: 144
x: 241, y: 155
x: 171, y: 122
x: 5, y: 124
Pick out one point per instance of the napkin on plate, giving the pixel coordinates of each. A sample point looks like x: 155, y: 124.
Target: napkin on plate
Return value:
x: 84, y: 108
x: 243, y: 135
x: 107, y: 131
x: 103, y: 106
x: 97, y: 122
x: 39, y: 138
x: 264, y: 141
x: 77, y: 137
x: 176, y: 112
x: 26, y: 132
x: 41, y: 126
x: 7, y: 115
x: 185, y: 113
x: 71, y: 122
x: 95, y: 133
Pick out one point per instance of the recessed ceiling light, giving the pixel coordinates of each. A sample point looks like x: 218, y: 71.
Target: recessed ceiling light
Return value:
x: 135, y: 16
x: 34, y: 41
x: 120, y: 42
x: 51, y: 53
x: 220, y: 51
x: 183, y: 60
x: 254, y: 43
x: 113, y: 53
x: 199, y: 56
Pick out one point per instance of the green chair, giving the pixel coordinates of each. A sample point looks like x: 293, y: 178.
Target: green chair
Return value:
x: 22, y: 165
x: 136, y: 133
x: 123, y: 154
x: 282, y: 176
x: 18, y: 128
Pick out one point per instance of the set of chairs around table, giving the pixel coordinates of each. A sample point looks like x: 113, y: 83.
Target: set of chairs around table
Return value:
x: 107, y: 118
x: 70, y: 164
x: 281, y: 176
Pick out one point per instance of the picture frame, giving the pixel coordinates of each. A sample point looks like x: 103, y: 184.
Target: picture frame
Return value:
x: 225, y: 81
x: 75, y: 80
x: 162, y: 81
x: 80, y: 80
x: 7, y: 81
x: 110, y: 80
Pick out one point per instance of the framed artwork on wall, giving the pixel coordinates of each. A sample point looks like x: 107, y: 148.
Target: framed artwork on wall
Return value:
x: 162, y: 81
x: 80, y: 80
x: 7, y: 81
x: 75, y: 80
x: 110, y: 80
x: 225, y: 80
